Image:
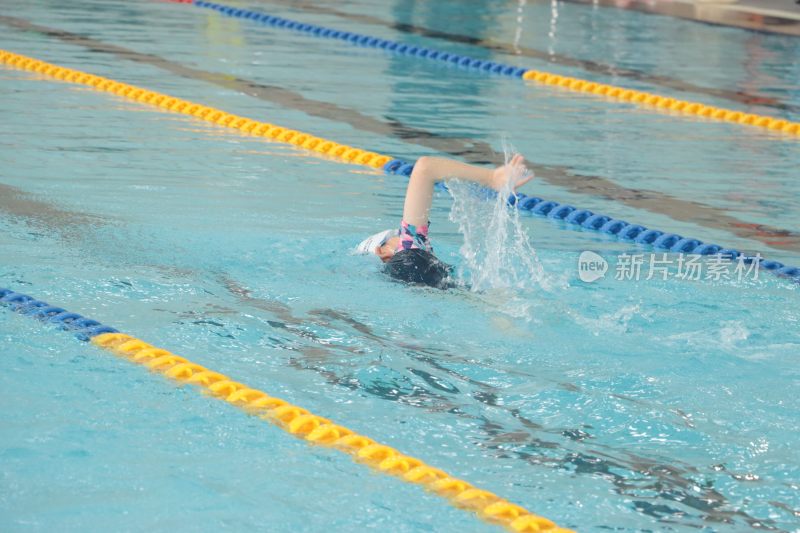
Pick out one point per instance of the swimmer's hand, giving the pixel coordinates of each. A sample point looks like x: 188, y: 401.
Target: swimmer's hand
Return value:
x: 514, y: 171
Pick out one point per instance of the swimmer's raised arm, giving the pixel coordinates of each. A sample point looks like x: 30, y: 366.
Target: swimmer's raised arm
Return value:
x: 429, y: 170
x: 408, y: 252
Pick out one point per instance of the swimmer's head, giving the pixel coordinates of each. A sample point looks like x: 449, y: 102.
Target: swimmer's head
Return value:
x: 419, y: 267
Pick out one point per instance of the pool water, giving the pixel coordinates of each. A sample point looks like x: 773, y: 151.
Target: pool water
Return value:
x: 633, y: 405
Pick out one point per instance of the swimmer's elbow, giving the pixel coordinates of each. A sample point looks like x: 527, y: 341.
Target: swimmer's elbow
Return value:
x: 424, y: 168
x: 423, y: 164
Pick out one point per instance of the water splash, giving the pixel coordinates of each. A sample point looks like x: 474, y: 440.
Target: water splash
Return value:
x: 499, y: 259
x: 612, y: 322
x: 732, y: 333
x: 501, y: 264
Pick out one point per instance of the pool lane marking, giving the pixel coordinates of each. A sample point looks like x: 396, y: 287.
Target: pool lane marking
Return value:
x: 554, y: 58
x: 612, y: 92
x: 474, y: 151
x: 19, y: 204
x: 320, y: 145
x: 293, y: 419
x: 581, y: 217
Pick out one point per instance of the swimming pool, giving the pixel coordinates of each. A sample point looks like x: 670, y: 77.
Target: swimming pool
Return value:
x: 634, y: 405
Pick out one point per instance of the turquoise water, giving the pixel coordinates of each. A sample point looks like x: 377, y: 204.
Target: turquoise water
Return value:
x: 650, y: 405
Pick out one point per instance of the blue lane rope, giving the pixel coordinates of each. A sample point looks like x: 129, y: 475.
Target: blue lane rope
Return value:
x: 622, y: 229
x: 369, y: 41
x: 83, y: 328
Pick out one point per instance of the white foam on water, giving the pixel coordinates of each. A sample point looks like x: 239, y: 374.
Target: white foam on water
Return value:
x: 612, y: 322
x: 501, y: 265
x: 499, y: 260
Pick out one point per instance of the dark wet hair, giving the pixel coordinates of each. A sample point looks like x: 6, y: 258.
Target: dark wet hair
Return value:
x: 420, y: 267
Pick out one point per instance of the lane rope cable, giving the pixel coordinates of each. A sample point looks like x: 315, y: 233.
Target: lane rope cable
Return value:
x: 586, y: 219
x: 290, y: 418
x: 256, y: 128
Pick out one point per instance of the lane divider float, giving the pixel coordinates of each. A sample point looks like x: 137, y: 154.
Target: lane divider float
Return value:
x: 342, y: 152
x: 584, y: 218
x: 622, y: 94
x: 290, y: 418
x: 553, y: 210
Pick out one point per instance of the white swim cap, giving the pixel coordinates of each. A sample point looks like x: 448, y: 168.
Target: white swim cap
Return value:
x: 369, y: 244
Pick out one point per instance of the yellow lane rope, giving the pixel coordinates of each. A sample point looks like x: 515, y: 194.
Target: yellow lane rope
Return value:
x: 298, y: 138
x: 663, y: 103
x: 321, y: 431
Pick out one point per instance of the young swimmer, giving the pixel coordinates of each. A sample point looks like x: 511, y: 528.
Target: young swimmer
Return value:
x: 407, y: 253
